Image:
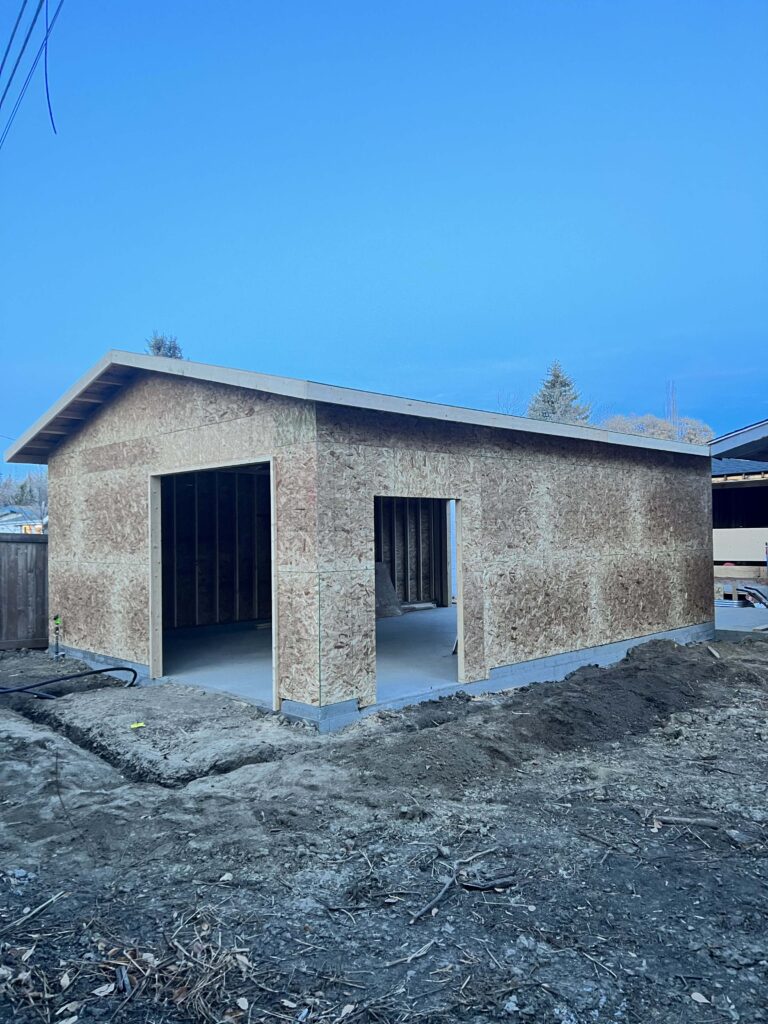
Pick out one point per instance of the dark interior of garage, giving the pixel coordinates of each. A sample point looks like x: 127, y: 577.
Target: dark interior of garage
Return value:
x: 217, y: 577
x: 416, y: 620
x: 216, y: 547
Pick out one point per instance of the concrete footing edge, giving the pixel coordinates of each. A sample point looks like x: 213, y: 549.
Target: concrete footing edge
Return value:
x: 553, y: 668
x: 102, y: 660
x: 550, y: 669
x: 737, y: 635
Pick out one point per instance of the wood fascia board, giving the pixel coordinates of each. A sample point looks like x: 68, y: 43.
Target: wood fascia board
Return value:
x: 329, y: 394
x: 353, y: 398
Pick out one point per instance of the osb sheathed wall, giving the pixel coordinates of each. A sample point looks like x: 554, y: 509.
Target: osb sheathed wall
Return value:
x: 563, y: 544
x: 99, y: 508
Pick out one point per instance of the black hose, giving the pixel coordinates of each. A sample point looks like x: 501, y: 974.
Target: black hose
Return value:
x: 32, y: 688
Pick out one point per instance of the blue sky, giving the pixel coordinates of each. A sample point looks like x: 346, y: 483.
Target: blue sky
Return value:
x: 429, y: 199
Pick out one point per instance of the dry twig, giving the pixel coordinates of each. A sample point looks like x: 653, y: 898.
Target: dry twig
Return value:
x: 453, y: 880
x: 673, y: 819
x: 33, y: 913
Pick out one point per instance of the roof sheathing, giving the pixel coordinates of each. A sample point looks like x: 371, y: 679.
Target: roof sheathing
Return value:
x: 738, y: 469
x: 116, y: 368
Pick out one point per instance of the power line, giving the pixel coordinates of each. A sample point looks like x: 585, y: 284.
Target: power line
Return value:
x: 28, y: 79
x: 47, y: 93
x: 13, y: 36
x: 23, y: 48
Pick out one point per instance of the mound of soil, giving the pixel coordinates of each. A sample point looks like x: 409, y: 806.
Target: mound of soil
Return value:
x: 586, y: 851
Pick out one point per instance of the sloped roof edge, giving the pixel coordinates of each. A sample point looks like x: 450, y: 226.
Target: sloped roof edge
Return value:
x: 117, y: 368
x: 749, y: 442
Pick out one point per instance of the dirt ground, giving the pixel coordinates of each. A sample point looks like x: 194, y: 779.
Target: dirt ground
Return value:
x: 594, y: 850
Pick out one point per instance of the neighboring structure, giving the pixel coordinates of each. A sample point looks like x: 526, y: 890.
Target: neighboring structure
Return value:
x: 740, y: 500
x: 21, y: 519
x: 23, y: 591
x: 740, y: 520
x: 229, y: 528
x: 740, y: 517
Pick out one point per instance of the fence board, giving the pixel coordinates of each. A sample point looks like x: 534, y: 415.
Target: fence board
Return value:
x: 23, y: 590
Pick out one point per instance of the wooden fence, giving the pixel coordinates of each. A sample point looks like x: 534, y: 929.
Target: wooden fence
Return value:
x: 23, y: 591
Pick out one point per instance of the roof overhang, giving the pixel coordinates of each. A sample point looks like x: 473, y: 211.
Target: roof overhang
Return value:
x: 748, y: 443
x: 117, y: 369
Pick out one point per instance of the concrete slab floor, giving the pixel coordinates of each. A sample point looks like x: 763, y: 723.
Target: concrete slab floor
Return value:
x: 413, y: 653
x: 413, y: 656
x: 234, y: 658
x: 741, y: 619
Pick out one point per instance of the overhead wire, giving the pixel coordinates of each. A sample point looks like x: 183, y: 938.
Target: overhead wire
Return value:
x: 21, y: 54
x: 47, y: 91
x: 28, y: 79
x: 13, y: 36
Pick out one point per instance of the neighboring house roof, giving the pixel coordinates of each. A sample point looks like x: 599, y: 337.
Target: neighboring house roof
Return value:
x: 17, y: 523
x: 747, y: 443
x: 22, y: 511
x: 116, y: 369
x: 737, y: 467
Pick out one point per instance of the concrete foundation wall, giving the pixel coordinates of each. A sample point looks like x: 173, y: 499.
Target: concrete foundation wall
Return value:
x: 563, y: 543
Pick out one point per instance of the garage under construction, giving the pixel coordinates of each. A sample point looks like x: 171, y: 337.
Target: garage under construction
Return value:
x: 326, y: 551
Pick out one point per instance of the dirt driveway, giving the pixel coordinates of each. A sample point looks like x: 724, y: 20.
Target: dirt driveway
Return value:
x: 587, y: 851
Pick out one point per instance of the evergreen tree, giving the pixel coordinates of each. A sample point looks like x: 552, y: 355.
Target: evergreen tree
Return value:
x: 23, y: 495
x: 557, y: 399
x: 164, y: 345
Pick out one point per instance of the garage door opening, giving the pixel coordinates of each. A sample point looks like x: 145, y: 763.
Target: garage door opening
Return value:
x: 217, y: 579
x: 416, y: 621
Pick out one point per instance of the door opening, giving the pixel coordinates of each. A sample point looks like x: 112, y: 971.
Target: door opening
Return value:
x: 216, y: 555
x: 416, y: 621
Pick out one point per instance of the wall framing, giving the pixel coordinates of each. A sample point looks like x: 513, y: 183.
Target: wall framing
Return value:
x: 411, y: 537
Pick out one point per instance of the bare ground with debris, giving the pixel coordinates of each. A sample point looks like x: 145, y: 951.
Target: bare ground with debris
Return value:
x: 586, y: 851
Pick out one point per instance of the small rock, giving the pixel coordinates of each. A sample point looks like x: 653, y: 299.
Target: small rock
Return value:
x: 413, y: 813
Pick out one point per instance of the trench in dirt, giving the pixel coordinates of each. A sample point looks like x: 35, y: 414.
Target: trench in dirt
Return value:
x: 312, y: 870
x: 593, y: 705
